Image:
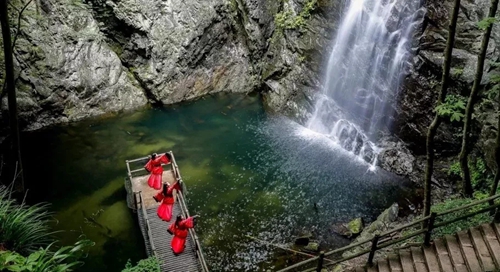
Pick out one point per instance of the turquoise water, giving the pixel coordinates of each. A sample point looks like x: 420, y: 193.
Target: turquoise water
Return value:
x: 247, y: 173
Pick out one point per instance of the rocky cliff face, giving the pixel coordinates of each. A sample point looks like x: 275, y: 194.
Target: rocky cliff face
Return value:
x: 65, y: 71
x: 422, y: 85
x: 79, y: 59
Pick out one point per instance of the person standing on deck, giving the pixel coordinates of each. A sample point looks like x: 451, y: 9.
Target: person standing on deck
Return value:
x: 180, y: 231
x: 154, y: 166
x: 166, y: 196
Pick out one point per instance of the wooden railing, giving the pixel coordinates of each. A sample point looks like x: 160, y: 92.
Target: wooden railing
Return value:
x: 384, y: 240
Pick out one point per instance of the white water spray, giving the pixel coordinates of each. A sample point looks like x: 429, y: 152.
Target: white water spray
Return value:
x: 364, y: 73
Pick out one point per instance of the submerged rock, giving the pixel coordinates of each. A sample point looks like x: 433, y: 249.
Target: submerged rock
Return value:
x: 312, y: 247
x: 303, y: 240
x: 355, y: 226
x: 380, y: 225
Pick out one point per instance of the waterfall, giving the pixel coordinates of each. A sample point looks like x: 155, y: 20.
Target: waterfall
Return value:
x: 364, y: 73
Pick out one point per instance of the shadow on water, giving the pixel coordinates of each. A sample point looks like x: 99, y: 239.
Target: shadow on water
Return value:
x: 247, y: 174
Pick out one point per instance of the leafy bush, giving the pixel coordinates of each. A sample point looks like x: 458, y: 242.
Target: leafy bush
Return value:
x: 287, y: 20
x: 453, y: 107
x: 455, y: 169
x: 150, y: 264
x: 486, y: 22
x: 44, y: 260
x: 462, y: 224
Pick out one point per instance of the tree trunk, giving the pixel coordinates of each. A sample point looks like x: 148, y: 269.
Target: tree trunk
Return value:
x: 11, y: 91
x: 464, y: 153
x: 497, y: 159
x: 437, y: 118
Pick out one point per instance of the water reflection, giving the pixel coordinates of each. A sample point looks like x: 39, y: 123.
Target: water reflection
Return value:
x: 247, y: 174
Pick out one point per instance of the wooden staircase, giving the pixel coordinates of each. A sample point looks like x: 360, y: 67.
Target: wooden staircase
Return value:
x: 475, y: 250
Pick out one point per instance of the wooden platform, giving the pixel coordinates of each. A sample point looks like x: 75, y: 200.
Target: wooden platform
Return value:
x: 154, y: 230
x: 473, y: 250
x: 140, y: 184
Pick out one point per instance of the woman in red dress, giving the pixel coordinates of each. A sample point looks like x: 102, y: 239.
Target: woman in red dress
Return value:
x: 166, y: 196
x: 154, y: 167
x: 180, y: 231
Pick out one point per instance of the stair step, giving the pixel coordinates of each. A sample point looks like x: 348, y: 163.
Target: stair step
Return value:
x: 418, y: 259
x: 360, y: 269
x: 443, y: 256
x: 431, y: 258
x: 406, y: 261
x: 492, y: 242
x: 394, y: 263
x: 455, y: 254
x: 482, y: 250
x: 468, y: 250
x: 372, y: 269
x: 383, y: 266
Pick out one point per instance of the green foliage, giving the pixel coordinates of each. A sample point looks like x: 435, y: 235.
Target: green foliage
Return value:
x: 478, y: 173
x: 150, y: 264
x: 457, y: 72
x: 24, y: 228
x: 455, y: 170
x: 44, y: 260
x: 462, y: 224
x: 453, y: 107
x: 486, y: 22
x: 287, y: 20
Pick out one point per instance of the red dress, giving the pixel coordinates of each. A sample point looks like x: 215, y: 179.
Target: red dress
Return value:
x: 180, y: 233
x: 166, y: 196
x: 156, y: 170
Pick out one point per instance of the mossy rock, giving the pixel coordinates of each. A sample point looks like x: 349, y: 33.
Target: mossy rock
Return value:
x: 355, y: 226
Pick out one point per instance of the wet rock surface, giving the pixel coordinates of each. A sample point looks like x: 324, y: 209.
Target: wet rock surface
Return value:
x: 76, y: 59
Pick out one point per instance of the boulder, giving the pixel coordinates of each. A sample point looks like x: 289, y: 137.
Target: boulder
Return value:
x: 311, y: 247
x: 355, y: 226
x: 380, y: 225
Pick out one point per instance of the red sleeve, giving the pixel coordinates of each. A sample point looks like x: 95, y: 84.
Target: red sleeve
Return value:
x: 164, y: 159
x: 159, y: 196
x: 148, y: 165
x: 177, y: 186
x: 171, y: 229
x: 187, y: 223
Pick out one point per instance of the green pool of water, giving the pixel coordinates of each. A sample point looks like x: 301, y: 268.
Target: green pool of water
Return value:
x: 247, y: 173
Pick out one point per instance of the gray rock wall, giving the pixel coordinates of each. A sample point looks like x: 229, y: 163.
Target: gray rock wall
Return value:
x: 417, y: 99
x: 79, y: 59
x: 65, y: 69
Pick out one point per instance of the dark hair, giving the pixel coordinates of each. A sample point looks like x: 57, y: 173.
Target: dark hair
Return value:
x: 153, y: 155
x: 178, y: 220
x: 165, y: 189
x: 169, y: 157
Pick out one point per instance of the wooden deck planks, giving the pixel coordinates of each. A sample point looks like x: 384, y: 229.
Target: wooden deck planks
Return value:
x: 443, y: 255
x: 482, y: 250
x: 140, y: 184
x: 492, y: 242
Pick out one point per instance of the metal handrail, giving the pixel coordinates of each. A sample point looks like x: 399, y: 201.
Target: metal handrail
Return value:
x: 193, y: 233
x: 148, y: 227
x: 375, y: 241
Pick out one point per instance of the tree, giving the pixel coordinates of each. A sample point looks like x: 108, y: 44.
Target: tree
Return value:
x: 11, y: 95
x: 464, y: 153
x: 437, y: 117
x: 494, y: 186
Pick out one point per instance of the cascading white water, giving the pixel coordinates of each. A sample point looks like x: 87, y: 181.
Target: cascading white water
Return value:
x: 365, y: 70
